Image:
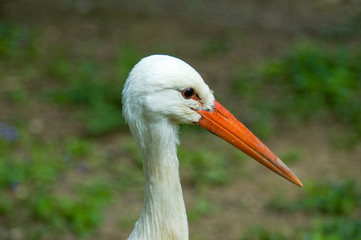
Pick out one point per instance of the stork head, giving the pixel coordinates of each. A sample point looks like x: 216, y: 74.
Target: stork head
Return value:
x: 164, y: 88
x: 161, y: 86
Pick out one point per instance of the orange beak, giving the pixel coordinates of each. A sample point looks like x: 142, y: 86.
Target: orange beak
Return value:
x: 223, y: 124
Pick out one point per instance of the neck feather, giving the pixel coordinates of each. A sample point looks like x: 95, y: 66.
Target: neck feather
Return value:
x: 163, y: 215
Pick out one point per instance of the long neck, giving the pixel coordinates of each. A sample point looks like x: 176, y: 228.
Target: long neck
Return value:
x: 163, y: 216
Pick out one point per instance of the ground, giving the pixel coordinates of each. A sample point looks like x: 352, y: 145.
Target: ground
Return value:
x: 216, y: 38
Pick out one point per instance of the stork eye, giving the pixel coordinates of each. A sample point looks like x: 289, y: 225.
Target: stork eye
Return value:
x: 188, y: 93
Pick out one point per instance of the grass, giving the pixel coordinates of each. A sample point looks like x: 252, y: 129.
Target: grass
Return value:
x: 47, y: 189
x: 336, y: 199
x: 260, y: 233
x: 89, y: 85
x: 62, y: 186
x: 291, y: 156
x: 18, y: 49
x: 92, y: 88
x: 16, y: 42
x: 334, y: 229
x: 201, y: 208
x: 333, y: 208
x: 204, y: 168
x: 214, y: 46
x: 330, y: 229
x: 309, y: 83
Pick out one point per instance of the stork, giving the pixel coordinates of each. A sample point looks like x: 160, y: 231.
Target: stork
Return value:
x: 160, y: 93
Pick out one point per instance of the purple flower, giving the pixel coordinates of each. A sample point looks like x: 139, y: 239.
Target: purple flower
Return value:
x: 8, y: 133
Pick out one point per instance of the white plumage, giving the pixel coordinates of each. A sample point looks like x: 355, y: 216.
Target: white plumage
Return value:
x: 155, y: 102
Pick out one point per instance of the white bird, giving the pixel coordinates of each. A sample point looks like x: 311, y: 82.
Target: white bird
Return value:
x: 160, y: 93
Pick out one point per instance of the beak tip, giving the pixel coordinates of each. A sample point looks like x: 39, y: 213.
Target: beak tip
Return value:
x: 223, y: 124
x: 299, y: 183
x: 294, y: 179
x: 290, y: 175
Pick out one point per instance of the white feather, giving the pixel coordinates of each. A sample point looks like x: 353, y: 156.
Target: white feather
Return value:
x: 153, y: 106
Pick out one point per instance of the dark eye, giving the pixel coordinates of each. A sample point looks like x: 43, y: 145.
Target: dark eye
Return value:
x: 188, y: 93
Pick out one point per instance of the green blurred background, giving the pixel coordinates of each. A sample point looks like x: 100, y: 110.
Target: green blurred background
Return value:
x: 289, y: 70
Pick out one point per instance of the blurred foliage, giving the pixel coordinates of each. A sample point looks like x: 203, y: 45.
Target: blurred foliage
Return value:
x: 329, y: 229
x: 308, y: 83
x: 215, y: 45
x: 80, y: 213
x: 260, y: 233
x: 16, y: 42
x: 333, y: 206
x: 34, y: 165
x: 95, y: 88
x: 334, y: 229
x: 337, y: 198
x: 18, y: 49
x: 347, y: 28
x: 17, y: 95
x: 36, y: 200
x: 204, y: 168
x: 201, y: 208
x: 52, y: 186
x: 291, y: 156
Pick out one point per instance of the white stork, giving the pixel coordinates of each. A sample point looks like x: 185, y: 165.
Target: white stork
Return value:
x: 160, y: 93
